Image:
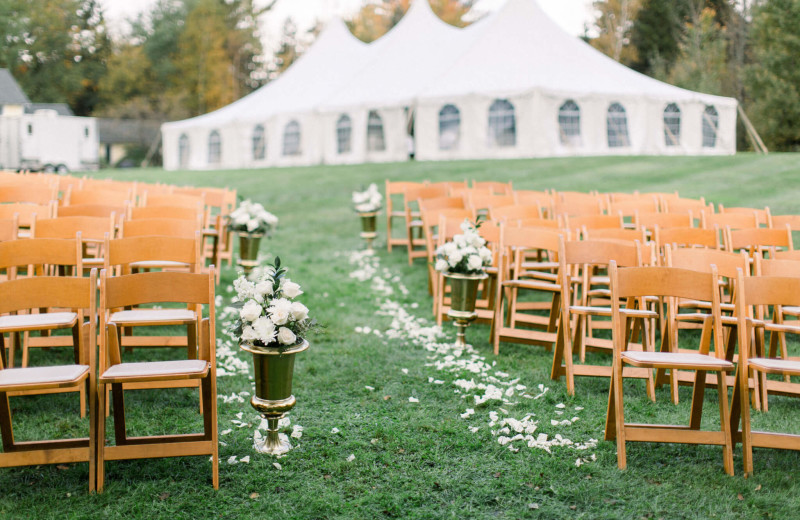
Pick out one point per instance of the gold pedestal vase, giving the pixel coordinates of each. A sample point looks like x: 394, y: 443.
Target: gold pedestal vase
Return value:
x: 273, y: 397
x: 368, y: 227
x: 248, y: 250
x: 463, y: 294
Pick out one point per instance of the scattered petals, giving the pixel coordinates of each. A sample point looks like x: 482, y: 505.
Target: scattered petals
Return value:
x: 351, y: 458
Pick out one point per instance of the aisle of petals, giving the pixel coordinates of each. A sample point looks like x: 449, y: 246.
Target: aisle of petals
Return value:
x: 492, y: 393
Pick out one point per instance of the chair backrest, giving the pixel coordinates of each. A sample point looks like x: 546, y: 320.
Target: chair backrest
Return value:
x: 561, y: 208
x: 663, y: 220
x: 159, y: 226
x: 696, y: 259
x: 27, y: 213
x: 91, y: 228
x: 498, y: 188
x: 645, y: 204
x: 487, y: 202
x: 413, y: 195
x: 28, y: 194
x: 440, y: 203
x: 618, y: 234
x: 176, y: 212
x: 764, y: 215
x: 598, y: 253
x: 735, y: 220
x: 106, y: 197
x: 576, y: 223
x: 534, y: 223
x: 758, y: 240
x: 175, y: 200
x: 781, y: 221
x: 515, y: 212
x: 400, y: 187
x: 41, y: 253
x: 541, y: 198
x: 124, y: 251
x: 92, y: 210
x: 686, y: 237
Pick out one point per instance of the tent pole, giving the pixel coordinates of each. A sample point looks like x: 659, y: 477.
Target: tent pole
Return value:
x: 758, y: 144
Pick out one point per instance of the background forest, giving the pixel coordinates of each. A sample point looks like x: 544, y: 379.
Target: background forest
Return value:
x: 186, y: 57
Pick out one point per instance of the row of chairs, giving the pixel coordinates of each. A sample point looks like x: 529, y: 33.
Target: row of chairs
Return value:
x: 43, y: 300
x: 537, y: 256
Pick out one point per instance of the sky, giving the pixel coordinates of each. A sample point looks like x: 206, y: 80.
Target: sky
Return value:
x: 571, y: 15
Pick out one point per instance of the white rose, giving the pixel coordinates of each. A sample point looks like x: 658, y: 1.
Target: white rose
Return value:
x: 486, y: 254
x: 474, y: 262
x: 244, y: 288
x: 241, y: 219
x: 264, y: 288
x: 280, y: 311
x: 286, y: 336
x: 299, y: 311
x: 252, y: 225
x: 449, y: 248
x: 265, y: 329
x: 268, y: 218
x: 476, y: 240
x: 290, y: 289
x: 460, y: 240
x: 466, y: 225
x: 455, y: 257
x: 441, y: 264
x: 249, y: 333
x: 250, y: 311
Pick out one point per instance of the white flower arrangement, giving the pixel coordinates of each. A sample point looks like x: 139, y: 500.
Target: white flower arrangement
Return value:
x: 369, y: 200
x: 465, y: 254
x: 268, y: 314
x: 251, y: 217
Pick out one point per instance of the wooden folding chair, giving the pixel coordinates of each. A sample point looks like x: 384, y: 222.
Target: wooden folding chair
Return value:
x: 174, y: 200
x: 543, y: 199
x: 40, y: 195
x: 413, y: 223
x: 577, y: 222
x: 515, y: 211
x: 483, y: 204
x: 512, y: 321
x: 759, y: 241
x: 761, y: 292
x: 395, y: 209
x: 578, y: 264
x: 133, y: 290
x: 668, y: 283
x: 9, y: 228
x: 40, y: 257
x: 93, y: 232
x: 685, y: 237
x: 77, y: 294
x: 171, y: 227
x: 628, y: 208
x: 27, y: 214
x: 497, y: 188
x: 110, y: 196
x: 763, y: 216
x: 734, y: 220
x: 781, y: 221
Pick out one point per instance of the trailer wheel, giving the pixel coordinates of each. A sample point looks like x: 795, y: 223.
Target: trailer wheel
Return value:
x: 62, y: 169
x: 49, y: 168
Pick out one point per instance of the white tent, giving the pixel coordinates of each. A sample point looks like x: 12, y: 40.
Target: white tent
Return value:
x: 511, y: 85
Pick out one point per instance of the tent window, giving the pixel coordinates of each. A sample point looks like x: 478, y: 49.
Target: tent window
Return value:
x: 183, y: 150
x: 259, y: 143
x: 344, y: 131
x: 617, y: 126
x: 291, y: 138
x: 449, y: 127
x: 214, y: 147
x: 375, y: 140
x: 672, y: 125
x: 502, y: 125
x: 710, y: 126
x: 569, y: 123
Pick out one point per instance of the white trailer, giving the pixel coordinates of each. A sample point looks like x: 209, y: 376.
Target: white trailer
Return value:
x: 46, y: 141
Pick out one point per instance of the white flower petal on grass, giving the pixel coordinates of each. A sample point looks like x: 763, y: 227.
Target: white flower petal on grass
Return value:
x: 561, y: 405
x: 413, y: 400
x: 351, y: 458
x: 334, y: 430
x: 578, y: 408
x: 232, y: 460
x: 370, y: 388
x: 297, y: 431
x: 474, y: 429
x: 225, y: 432
x: 239, y: 415
x: 404, y: 370
x: 285, y: 422
x: 277, y: 466
x: 246, y: 460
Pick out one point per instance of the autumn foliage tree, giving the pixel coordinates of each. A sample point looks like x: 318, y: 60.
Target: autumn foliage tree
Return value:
x: 376, y: 18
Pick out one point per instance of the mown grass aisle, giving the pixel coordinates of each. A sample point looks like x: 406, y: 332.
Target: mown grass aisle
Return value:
x: 398, y: 400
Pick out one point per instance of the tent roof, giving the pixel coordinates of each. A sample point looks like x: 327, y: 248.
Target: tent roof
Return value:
x: 519, y: 49
x: 333, y: 58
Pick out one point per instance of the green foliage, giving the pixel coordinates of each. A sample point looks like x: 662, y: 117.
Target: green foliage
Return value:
x: 56, y: 49
x: 702, y: 63
x: 656, y: 34
x: 774, y: 76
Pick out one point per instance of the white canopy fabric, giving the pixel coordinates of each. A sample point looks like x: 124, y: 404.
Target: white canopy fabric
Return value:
x: 517, y: 56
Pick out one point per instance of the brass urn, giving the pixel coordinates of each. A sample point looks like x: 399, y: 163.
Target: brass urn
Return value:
x: 463, y: 294
x: 249, y: 244
x: 274, y: 368
x: 369, y: 221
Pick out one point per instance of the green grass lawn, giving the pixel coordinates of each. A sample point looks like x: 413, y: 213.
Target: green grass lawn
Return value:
x: 419, y: 459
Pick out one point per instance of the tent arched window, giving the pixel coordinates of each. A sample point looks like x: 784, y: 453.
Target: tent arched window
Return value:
x: 617, y: 126
x: 344, y: 131
x: 259, y: 143
x: 183, y: 151
x: 449, y: 127
x: 672, y: 125
x: 502, y: 124
x: 710, y: 127
x: 569, y: 123
x: 214, y: 147
x: 291, y: 138
x: 375, y: 140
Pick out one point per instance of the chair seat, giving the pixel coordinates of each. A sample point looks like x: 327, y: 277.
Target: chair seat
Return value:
x: 155, y: 371
x: 20, y: 322
x: 157, y: 316
x: 92, y: 262
x: 606, y: 311
x: 533, y: 284
x: 686, y: 361
x: 776, y: 366
x: 42, y: 377
x: 155, y: 264
x: 791, y: 310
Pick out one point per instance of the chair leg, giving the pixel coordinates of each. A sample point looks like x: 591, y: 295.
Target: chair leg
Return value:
x: 725, y: 422
x: 6, y: 430
x: 101, y: 437
x: 698, y: 392
x: 120, y: 436
x: 208, y: 389
x: 93, y: 418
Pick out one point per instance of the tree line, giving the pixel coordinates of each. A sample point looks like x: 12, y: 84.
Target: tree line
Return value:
x: 182, y: 58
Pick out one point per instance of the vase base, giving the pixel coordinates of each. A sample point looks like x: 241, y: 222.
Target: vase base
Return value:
x: 270, y: 446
